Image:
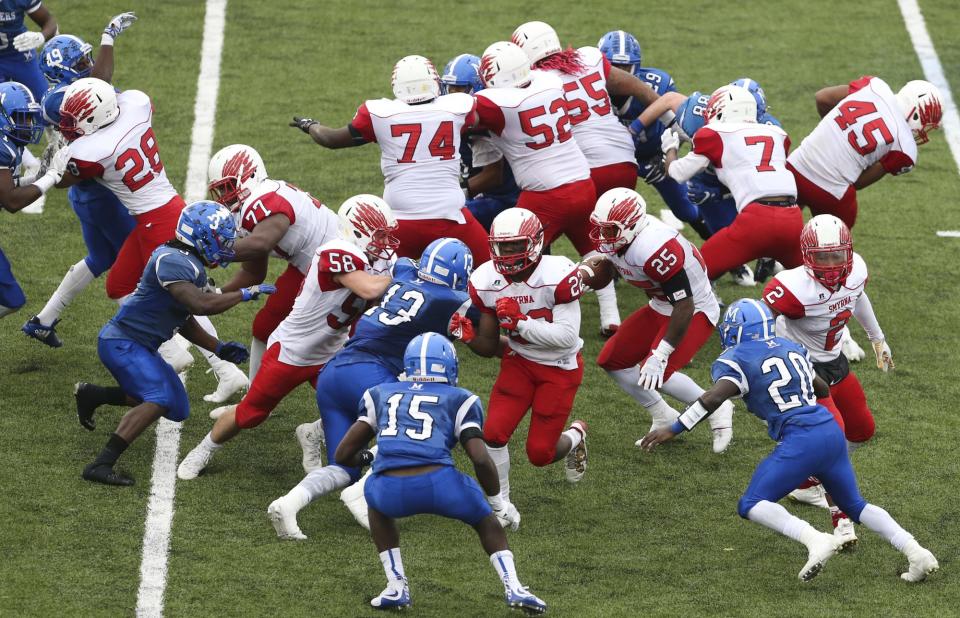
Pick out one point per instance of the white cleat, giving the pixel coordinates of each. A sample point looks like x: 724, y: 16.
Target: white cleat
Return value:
x: 575, y: 464
x: 194, y: 463
x: 845, y: 533
x: 850, y: 348
x: 922, y: 563
x: 661, y: 415
x: 814, y: 496
x: 284, y: 520
x: 721, y: 421
x: 353, y: 498
x: 823, y: 547
x: 218, y: 412
x: 743, y: 276
x: 35, y: 207
x: 230, y: 381
x: 313, y: 444
x: 667, y: 216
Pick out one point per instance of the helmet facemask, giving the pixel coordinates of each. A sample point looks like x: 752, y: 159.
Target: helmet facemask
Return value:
x: 829, y: 265
x: 514, y: 254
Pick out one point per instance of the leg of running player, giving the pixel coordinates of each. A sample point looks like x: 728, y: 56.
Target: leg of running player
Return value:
x: 277, y: 307
x: 852, y: 402
x: 511, y: 397
x: 547, y: 441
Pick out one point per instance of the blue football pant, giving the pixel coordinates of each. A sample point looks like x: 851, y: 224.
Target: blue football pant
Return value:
x: 104, y: 223
x: 11, y: 294
x: 675, y: 197
x: 145, y: 376
x: 446, y: 492
x: 718, y: 214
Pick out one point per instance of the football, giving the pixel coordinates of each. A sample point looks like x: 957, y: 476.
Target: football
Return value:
x: 597, y: 272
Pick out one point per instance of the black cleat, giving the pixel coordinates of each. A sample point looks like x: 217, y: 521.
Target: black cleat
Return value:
x: 44, y: 334
x: 102, y: 473
x: 85, y: 406
x: 763, y: 270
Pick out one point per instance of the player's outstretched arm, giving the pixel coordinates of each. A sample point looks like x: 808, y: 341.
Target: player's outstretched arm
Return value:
x: 47, y: 22
x: 344, y: 137
x: 863, y: 312
x: 14, y: 198
x: 490, y: 177
x: 352, y: 450
x: 622, y: 83
x: 252, y: 272
x: 711, y: 399
x: 198, y: 302
x: 669, y: 102
x: 827, y: 98
x: 363, y: 284
x: 103, y: 66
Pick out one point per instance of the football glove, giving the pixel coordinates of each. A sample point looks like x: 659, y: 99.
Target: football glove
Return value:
x: 509, y: 314
x: 303, y: 124
x: 117, y: 25
x: 28, y: 41
x: 461, y: 328
x: 651, y: 373
x: 232, y: 351
x: 254, y: 291
x: 653, y: 171
x: 884, y: 355
x: 669, y: 141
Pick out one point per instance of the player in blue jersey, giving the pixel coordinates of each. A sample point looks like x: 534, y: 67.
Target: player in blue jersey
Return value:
x: 18, y: 45
x: 422, y: 298
x: 171, y: 291
x: 486, y: 177
x: 104, y: 221
x: 623, y: 51
x: 417, y: 422
x: 775, y: 377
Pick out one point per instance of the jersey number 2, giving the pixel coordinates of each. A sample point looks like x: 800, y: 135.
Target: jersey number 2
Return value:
x: 138, y: 158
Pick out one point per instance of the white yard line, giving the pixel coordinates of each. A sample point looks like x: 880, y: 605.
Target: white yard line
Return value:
x: 948, y: 233
x: 156, y: 536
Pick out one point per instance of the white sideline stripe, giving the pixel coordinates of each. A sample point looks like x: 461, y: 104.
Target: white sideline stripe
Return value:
x: 948, y: 233
x: 933, y: 71
x: 156, y: 536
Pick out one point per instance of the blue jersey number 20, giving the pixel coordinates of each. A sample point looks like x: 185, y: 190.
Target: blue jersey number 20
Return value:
x: 801, y: 371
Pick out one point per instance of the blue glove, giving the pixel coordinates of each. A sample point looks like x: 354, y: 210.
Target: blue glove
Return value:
x: 232, y: 351
x: 700, y: 194
x: 254, y: 291
x: 653, y: 171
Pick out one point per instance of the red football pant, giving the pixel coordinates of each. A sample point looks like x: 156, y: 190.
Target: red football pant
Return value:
x: 828, y: 403
x: 416, y: 234
x: 822, y: 202
x: 564, y: 210
x: 608, y: 177
x: 642, y: 332
x: 525, y: 385
x: 858, y: 421
x: 273, y: 382
x: 757, y: 231
x: 153, y: 229
x: 278, y: 304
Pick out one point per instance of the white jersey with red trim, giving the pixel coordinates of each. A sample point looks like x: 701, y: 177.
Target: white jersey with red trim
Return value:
x: 865, y: 127
x: 124, y: 157
x: 813, y: 315
x: 599, y: 133
x: 419, y: 153
x: 319, y: 323
x: 554, y: 282
x: 750, y: 159
x: 531, y: 127
x: 655, y: 256
x: 311, y: 223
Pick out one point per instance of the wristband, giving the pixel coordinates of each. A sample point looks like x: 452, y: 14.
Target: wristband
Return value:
x: 677, y: 427
x: 44, y: 183
x: 636, y: 127
x: 692, y: 415
x: 106, y: 39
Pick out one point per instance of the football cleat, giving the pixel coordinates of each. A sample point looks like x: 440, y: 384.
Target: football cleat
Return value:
x: 230, y: 381
x: 843, y: 531
x: 284, y: 520
x: 743, y: 276
x: 576, y: 461
x: 392, y: 598
x: 814, y: 496
x: 218, y: 412
x: 105, y: 474
x: 353, y: 498
x: 766, y: 268
x: 44, y: 334
x: 194, y: 463
x: 662, y: 415
x: 667, y: 216
x: 85, y: 406
x: 35, y: 207
x: 721, y: 421
x: 312, y: 442
x: 850, y: 348
x: 922, y: 563
x: 522, y: 598
x: 823, y: 547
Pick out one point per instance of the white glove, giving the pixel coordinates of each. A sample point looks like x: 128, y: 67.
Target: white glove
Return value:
x: 58, y: 165
x: 117, y: 25
x: 651, y: 373
x: 505, y: 512
x: 28, y: 41
x: 669, y: 140
x: 884, y: 355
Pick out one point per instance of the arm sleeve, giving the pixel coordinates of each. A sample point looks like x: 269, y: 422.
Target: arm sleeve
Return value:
x: 570, y: 288
x: 368, y: 410
x: 332, y: 262
x: 857, y: 84
x: 84, y: 169
x: 865, y: 315
x: 666, y: 262
x: 896, y: 162
x: 687, y: 167
x: 363, y: 125
x: 489, y: 115
x: 173, y: 268
x: 470, y: 414
x: 267, y: 205
x: 782, y: 300
x: 562, y: 332
x: 729, y: 369
x: 708, y: 143
x: 478, y: 302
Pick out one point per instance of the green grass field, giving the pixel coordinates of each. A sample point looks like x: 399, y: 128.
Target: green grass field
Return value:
x: 643, y: 534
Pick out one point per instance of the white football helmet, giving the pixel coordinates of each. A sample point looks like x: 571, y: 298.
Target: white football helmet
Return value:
x: 415, y: 80
x: 88, y: 105
x: 620, y: 214
x: 234, y: 172
x: 827, y: 250
x: 537, y: 39
x: 504, y: 65
x: 367, y: 221
x: 731, y: 104
x: 921, y: 103
x: 516, y: 241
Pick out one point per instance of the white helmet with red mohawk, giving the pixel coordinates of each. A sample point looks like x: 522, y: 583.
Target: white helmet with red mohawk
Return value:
x: 620, y: 214
x: 921, y: 103
x: 516, y: 241
x: 367, y: 221
x: 415, y: 80
x: 731, y: 104
x: 233, y: 174
x: 88, y: 105
x: 504, y: 65
x: 827, y: 250
x: 537, y: 39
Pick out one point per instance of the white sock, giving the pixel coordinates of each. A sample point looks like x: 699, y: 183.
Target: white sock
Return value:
x: 502, y: 561
x: 393, y: 568
x: 880, y: 521
x: 681, y: 386
x: 501, y: 459
x: 627, y: 380
x: 208, y: 442
x: 779, y: 519
x: 257, y: 348
x: 575, y: 437
x: 74, y: 282
x: 319, y: 483
x: 609, y: 311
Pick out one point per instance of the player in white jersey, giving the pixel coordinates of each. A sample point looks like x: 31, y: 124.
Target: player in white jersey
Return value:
x: 750, y: 159
x: 419, y: 135
x: 866, y: 132
x: 535, y: 298
x: 344, y: 275
x: 657, y: 340
x: 274, y: 218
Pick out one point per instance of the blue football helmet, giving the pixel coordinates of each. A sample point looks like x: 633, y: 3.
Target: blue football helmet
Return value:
x: 430, y: 357
x: 209, y: 228
x: 464, y: 70
x: 756, y: 91
x: 621, y: 48
x: 20, y: 116
x: 446, y: 261
x: 746, y: 320
x: 690, y: 113
x: 65, y: 59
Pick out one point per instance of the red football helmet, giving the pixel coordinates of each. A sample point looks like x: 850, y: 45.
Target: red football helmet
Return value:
x: 516, y: 241
x: 620, y: 214
x: 827, y: 250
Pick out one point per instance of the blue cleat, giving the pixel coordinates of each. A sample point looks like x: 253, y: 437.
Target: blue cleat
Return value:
x: 522, y: 598
x: 391, y: 598
x: 43, y: 334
